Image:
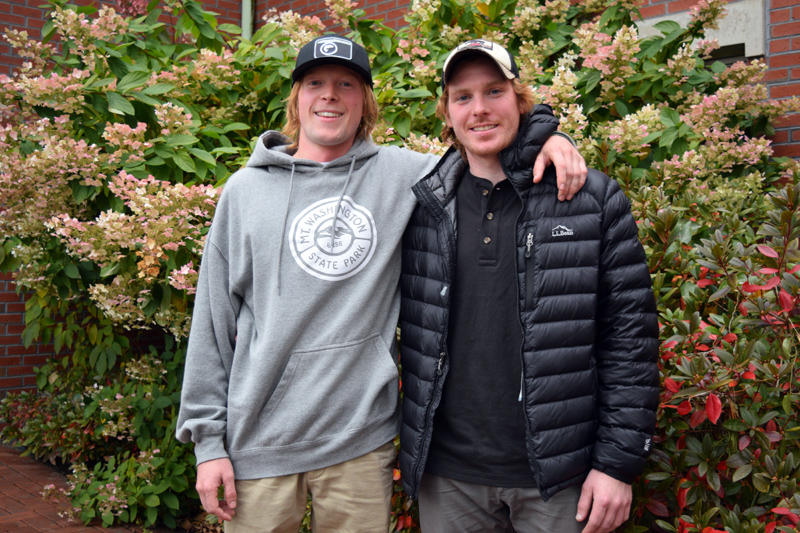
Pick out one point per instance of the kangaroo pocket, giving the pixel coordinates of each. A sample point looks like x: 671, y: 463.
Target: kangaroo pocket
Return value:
x: 330, y: 391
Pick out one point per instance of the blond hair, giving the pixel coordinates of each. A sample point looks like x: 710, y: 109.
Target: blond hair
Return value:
x: 369, y: 114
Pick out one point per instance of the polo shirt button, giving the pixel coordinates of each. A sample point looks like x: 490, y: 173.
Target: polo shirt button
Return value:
x: 486, y: 192
x: 490, y: 216
x: 487, y: 240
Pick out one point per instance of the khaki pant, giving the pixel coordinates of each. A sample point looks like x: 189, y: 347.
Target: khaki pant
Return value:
x: 351, y: 497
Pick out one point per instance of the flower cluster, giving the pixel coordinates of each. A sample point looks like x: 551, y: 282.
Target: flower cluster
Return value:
x: 628, y: 134
x: 83, y: 33
x: 144, y: 370
x: 184, y: 278
x: 561, y: 91
x: 413, y: 51
x: 527, y: 16
x: 612, y: 60
x: 340, y: 10
x: 530, y: 58
x: 216, y: 69
x: 706, y: 14
x: 424, y: 144
x: 297, y: 28
x: 132, y: 8
x: 173, y: 119
x: 35, y: 51
x: 677, y: 66
x: 423, y: 10
x: 127, y: 140
x: 164, y: 218
x: 452, y: 36
x: 62, y: 93
x: 556, y: 10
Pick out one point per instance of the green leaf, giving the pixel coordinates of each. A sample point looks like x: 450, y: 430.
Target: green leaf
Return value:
x: 667, y: 26
x: 145, y: 99
x: 119, y: 104
x: 735, y: 425
x: 235, y: 126
x: 184, y: 161
x: 182, y: 139
x: 132, y: 80
x: 414, y: 93
x: 742, y: 472
x: 118, y: 67
x: 158, y: 88
x: 204, y: 156
x: 152, y: 501
x: 72, y: 271
x: 162, y: 402
x: 110, y: 270
x: 670, y: 117
x: 230, y: 28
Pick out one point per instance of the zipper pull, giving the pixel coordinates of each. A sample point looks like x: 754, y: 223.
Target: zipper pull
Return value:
x: 528, y: 245
x: 521, y: 383
x: 439, y: 366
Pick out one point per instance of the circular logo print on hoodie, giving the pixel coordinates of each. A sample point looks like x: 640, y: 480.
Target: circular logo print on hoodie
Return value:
x: 333, y: 248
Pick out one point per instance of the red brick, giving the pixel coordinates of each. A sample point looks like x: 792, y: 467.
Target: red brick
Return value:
x: 15, y: 307
x: 15, y: 329
x: 796, y: 13
x: 7, y: 383
x: 36, y: 24
x: 18, y: 349
x: 781, y: 15
x: 776, y: 46
x: 784, y: 91
x: 14, y: 20
x: 19, y: 371
x: 796, y: 136
x: 25, y: 11
x: 680, y: 5
x: 780, y: 137
x: 10, y: 361
x: 785, y: 60
x: 777, y: 4
x: 787, y: 121
x: 787, y: 150
x: 783, y: 30
x: 37, y: 360
x: 652, y: 11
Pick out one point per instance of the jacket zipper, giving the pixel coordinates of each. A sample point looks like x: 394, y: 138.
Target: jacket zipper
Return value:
x: 427, y: 199
x: 528, y: 246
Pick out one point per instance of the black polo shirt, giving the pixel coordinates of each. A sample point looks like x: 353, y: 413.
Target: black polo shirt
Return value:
x: 478, y: 429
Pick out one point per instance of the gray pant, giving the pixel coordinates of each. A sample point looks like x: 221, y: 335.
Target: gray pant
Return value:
x: 450, y: 506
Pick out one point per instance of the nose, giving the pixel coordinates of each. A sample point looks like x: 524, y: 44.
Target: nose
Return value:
x: 480, y: 106
x: 329, y: 92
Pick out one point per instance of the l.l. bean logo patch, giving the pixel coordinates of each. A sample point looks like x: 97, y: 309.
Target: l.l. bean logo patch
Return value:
x: 333, y: 251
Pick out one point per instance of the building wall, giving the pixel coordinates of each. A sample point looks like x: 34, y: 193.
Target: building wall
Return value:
x: 391, y: 12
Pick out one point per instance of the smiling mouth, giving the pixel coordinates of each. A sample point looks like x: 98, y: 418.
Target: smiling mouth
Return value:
x: 328, y: 114
x: 484, y: 128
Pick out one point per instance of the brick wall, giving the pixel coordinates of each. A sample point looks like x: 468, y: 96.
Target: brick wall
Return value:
x: 16, y: 361
x: 783, y: 77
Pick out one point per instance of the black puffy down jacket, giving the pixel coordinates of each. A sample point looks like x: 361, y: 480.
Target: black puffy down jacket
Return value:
x: 586, y: 307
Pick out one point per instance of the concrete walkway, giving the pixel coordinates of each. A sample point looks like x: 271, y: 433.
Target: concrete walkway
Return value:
x: 22, y: 508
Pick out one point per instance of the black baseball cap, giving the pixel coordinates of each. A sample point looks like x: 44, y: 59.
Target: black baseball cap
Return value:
x: 332, y: 50
x: 502, y: 58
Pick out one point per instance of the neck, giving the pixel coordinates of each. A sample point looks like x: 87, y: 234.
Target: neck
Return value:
x: 486, y: 167
x: 321, y: 154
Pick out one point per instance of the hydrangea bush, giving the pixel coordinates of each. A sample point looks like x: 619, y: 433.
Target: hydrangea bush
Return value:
x: 114, y: 147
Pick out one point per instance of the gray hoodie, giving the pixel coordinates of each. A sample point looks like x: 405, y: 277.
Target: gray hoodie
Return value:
x: 291, y: 363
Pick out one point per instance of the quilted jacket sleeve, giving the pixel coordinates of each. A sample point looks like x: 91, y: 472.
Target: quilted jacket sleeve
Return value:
x: 627, y: 345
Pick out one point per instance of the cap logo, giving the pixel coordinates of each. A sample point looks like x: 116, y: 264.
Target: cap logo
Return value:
x: 478, y: 43
x: 333, y: 47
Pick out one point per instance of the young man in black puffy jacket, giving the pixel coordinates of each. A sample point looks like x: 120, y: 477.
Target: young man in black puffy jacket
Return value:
x: 529, y: 327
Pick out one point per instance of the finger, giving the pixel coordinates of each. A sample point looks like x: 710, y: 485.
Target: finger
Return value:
x: 596, y: 520
x: 208, y: 498
x: 538, y: 167
x: 578, y: 171
x: 230, y: 488
x: 584, y: 504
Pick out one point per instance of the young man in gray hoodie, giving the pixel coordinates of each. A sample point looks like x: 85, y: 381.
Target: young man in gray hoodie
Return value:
x: 291, y: 381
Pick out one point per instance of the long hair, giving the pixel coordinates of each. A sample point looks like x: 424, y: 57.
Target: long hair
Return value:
x: 525, y: 100
x: 369, y: 115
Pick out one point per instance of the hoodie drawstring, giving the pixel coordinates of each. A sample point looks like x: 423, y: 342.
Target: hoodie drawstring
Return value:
x: 283, y: 228
x: 339, y: 202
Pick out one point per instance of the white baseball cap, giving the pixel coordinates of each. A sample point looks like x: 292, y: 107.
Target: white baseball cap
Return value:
x: 501, y: 56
